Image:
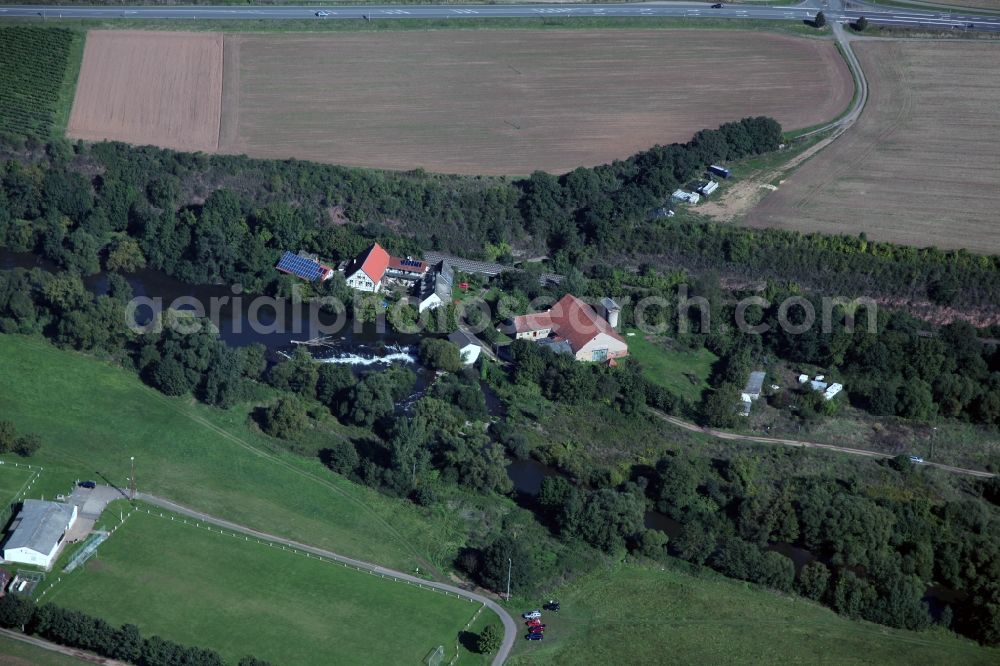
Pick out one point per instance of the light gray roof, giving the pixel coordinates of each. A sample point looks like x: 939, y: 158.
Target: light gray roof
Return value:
x: 609, y: 304
x: 756, y: 382
x: 461, y: 339
x: 39, y: 525
x: 437, y: 284
x: 446, y: 271
x: 488, y: 268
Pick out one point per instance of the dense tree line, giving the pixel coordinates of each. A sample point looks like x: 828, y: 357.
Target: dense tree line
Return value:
x: 875, y: 557
x: 902, y: 369
x: 898, y: 366
x: 437, y: 442
x: 205, y: 219
x: 224, y: 218
x: 871, y: 558
x: 563, y: 379
x: 125, y: 643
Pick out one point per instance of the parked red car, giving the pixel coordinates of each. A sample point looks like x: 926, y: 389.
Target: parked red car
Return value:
x: 538, y: 629
x: 533, y: 622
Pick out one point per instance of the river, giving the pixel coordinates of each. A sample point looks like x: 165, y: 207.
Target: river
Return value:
x: 244, y: 320
x: 364, y: 347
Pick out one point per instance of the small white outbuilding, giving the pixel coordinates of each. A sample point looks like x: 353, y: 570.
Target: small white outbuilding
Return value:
x: 468, y: 347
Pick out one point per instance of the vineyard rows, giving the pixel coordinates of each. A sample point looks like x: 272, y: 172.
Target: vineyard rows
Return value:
x: 33, y: 64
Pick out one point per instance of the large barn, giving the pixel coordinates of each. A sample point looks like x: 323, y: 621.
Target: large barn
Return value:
x: 589, y: 336
x: 37, y: 532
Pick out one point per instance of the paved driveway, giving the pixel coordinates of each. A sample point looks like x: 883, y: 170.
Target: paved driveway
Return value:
x: 89, y: 502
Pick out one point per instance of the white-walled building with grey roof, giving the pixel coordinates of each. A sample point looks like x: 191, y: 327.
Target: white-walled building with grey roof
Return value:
x: 37, y: 532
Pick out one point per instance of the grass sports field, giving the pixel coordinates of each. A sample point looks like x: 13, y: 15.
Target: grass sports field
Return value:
x: 463, y: 101
x: 205, y: 458
x: 920, y: 166
x: 640, y: 615
x: 12, y: 480
x: 201, y: 587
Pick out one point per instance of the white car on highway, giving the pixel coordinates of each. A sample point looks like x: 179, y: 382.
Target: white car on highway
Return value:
x: 322, y: 13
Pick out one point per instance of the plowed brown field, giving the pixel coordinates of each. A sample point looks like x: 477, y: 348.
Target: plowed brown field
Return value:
x: 920, y: 166
x: 159, y: 88
x: 474, y: 102
x: 512, y: 101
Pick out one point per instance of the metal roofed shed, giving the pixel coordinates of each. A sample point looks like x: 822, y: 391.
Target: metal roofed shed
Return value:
x: 37, y: 532
x: 755, y: 384
x: 707, y: 187
x: 686, y: 197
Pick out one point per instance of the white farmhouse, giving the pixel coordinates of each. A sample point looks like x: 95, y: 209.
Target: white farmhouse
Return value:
x: 366, y: 272
x: 38, y: 531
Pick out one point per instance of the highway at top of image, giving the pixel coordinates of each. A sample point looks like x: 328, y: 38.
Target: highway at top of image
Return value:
x: 800, y: 12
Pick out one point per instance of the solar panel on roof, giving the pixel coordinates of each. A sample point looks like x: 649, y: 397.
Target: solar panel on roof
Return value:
x: 306, y: 269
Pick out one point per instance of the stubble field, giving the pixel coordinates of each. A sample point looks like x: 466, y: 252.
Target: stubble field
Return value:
x: 919, y: 167
x: 159, y: 88
x: 485, y: 102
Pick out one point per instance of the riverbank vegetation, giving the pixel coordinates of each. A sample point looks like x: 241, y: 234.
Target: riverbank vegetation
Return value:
x: 438, y: 495
x: 203, y: 218
x: 545, y: 560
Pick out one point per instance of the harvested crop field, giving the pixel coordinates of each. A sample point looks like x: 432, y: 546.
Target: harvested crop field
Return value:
x: 459, y: 101
x: 159, y: 88
x: 920, y: 166
x: 512, y: 101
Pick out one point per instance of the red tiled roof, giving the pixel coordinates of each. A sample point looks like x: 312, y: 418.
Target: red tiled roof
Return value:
x: 375, y: 262
x: 571, y: 319
x: 533, y: 322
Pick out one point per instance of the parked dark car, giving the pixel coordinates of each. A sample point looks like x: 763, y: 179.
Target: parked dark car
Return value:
x: 717, y: 5
x: 552, y: 606
x: 535, y: 637
x: 88, y: 484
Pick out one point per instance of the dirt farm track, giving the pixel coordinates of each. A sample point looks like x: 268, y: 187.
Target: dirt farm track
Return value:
x: 474, y: 102
x: 920, y: 166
